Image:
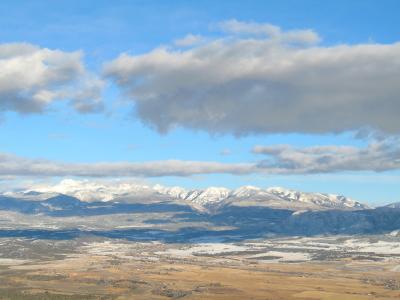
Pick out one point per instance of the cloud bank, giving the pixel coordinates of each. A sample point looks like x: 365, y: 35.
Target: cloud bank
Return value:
x: 19, y: 166
x: 279, y: 159
x: 32, y: 78
x: 260, y: 79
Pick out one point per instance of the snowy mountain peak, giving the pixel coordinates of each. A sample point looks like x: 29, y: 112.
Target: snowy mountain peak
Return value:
x: 246, y: 191
x: 208, y: 195
x: 288, y: 194
x: 323, y: 200
x: 175, y: 191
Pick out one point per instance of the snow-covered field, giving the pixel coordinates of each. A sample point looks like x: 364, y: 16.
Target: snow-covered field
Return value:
x: 293, y: 249
x: 383, y: 248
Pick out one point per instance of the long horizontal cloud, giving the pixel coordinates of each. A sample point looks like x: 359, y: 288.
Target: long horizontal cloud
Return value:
x: 31, y: 78
x: 279, y: 159
x: 377, y: 156
x: 14, y: 165
x: 261, y: 79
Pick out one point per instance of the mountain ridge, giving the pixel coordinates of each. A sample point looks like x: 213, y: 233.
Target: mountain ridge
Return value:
x: 209, y: 199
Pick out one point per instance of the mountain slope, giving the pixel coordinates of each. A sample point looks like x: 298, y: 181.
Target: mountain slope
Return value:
x: 393, y: 205
x: 247, y: 212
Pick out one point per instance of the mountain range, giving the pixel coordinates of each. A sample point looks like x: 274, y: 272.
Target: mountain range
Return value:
x: 174, y: 213
x: 210, y: 199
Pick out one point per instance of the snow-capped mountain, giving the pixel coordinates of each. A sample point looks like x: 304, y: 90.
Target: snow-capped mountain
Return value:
x: 247, y: 191
x: 247, y: 211
x: 208, y: 196
x: 90, y: 191
x: 174, y: 192
x: 208, y: 199
x: 215, y: 197
x: 324, y: 200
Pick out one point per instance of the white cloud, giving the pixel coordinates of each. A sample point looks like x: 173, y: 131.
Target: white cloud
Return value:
x: 260, y: 79
x: 31, y: 78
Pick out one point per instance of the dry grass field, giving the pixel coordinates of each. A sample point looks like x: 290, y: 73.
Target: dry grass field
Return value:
x: 88, y: 276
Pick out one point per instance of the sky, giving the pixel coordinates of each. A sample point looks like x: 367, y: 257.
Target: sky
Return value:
x: 299, y: 94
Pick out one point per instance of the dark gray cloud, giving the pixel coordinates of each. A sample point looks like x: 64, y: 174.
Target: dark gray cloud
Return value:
x: 31, y: 78
x: 261, y: 79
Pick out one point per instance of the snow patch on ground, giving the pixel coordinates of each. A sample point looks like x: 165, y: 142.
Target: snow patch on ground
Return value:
x: 204, y: 249
x: 12, y: 262
x: 283, y: 256
x: 379, y: 247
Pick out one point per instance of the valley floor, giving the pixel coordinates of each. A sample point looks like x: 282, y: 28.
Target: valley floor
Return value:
x: 94, y: 268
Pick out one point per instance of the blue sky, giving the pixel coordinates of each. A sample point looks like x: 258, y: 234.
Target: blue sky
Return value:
x: 103, y: 30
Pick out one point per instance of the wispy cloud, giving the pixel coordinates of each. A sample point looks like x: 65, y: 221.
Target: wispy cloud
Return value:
x: 225, y: 152
x: 303, y: 36
x: 189, y: 40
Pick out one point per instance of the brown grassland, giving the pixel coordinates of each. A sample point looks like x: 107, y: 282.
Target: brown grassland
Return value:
x: 107, y: 277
